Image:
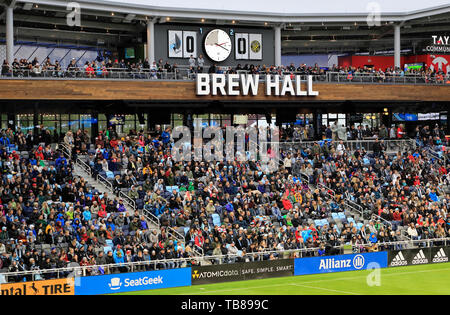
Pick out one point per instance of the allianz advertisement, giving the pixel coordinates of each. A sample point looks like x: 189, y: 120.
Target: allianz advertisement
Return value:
x: 136, y: 281
x: 324, y: 264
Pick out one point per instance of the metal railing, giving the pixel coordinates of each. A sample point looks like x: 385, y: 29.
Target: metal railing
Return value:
x: 183, y: 73
x: 83, y: 271
x: 390, y: 145
x: 180, y: 74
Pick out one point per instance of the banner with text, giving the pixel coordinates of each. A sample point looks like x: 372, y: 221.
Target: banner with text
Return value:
x: 242, y: 271
x: 135, y: 281
x: 324, y: 264
x: 63, y: 286
x: 418, y: 256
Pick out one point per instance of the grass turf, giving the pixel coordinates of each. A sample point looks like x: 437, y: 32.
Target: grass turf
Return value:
x: 422, y: 279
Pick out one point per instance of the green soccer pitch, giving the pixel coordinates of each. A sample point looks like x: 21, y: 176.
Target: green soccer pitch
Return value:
x: 423, y: 279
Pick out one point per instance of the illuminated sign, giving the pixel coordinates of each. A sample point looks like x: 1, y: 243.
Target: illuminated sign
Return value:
x: 245, y: 84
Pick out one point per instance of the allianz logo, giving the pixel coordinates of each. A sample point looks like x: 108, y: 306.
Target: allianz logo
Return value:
x: 420, y: 258
x: 116, y: 283
x: 399, y: 260
x: 331, y: 263
x: 440, y: 256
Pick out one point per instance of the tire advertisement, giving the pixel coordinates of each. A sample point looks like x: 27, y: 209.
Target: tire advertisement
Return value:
x: 242, y: 271
x: 418, y: 256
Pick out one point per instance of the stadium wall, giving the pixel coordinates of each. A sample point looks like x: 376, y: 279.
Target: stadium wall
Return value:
x: 200, y: 275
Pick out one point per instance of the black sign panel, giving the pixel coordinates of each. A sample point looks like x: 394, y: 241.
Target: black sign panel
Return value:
x: 439, y: 254
x: 242, y: 271
x: 409, y: 257
x: 418, y: 256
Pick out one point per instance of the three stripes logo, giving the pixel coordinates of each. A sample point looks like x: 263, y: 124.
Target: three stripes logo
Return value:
x: 420, y: 258
x: 399, y: 260
x: 440, y: 257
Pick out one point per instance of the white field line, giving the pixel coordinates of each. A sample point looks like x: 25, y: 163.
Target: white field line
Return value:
x: 326, y: 289
x: 312, y: 282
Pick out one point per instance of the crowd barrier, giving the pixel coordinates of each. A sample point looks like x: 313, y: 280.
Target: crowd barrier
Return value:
x: 199, y: 275
x: 135, y: 281
x: 418, y: 256
x: 242, y: 271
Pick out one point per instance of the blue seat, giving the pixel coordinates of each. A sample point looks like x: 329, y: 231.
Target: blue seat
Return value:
x: 186, y: 230
x: 109, y: 243
x: 359, y: 225
x: 341, y: 215
x: 334, y: 215
x: 110, y: 174
x: 317, y: 222
x: 350, y: 220
x: 216, y: 219
x: 106, y: 249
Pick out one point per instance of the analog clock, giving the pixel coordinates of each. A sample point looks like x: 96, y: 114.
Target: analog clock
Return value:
x: 218, y: 45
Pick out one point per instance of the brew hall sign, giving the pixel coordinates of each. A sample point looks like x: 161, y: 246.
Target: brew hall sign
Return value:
x: 246, y: 84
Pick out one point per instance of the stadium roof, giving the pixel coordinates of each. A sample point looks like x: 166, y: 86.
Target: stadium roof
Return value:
x: 267, y: 11
x: 323, y: 26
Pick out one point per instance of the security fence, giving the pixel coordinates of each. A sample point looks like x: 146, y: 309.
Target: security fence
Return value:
x: 183, y: 73
x: 74, y: 270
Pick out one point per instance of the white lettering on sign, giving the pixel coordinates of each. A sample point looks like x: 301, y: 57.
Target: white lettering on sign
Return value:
x: 244, y: 84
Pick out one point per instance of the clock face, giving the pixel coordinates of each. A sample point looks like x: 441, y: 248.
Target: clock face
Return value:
x: 218, y: 45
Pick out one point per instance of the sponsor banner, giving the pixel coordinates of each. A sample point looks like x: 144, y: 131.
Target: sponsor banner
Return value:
x: 324, y: 264
x: 135, y: 281
x: 63, y: 286
x: 439, y: 254
x: 408, y: 257
x: 242, y: 271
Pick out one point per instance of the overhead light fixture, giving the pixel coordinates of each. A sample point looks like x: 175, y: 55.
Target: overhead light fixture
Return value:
x: 27, y: 6
x: 233, y: 22
x: 168, y: 19
x: 112, y: 13
x: 203, y: 20
x: 129, y: 17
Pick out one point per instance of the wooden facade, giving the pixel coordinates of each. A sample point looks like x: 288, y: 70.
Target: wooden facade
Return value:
x: 154, y: 91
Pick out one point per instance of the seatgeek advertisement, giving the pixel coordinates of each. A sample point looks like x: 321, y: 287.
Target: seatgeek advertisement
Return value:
x: 135, y: 281
x: 339, y: 263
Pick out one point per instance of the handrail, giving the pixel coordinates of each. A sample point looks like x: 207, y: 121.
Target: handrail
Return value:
x: 77, y: 271
x: 185, y: 74
x: 81, y: 270
x: 104, y: 182
x: 84, y: 166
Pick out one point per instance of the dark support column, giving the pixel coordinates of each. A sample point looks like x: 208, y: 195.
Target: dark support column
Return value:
x: 148, y: 122
x: 36, y: 130
x: 11, y: 121
x: 448, y: 126
x: 317, y: 120
x: 94, y: 126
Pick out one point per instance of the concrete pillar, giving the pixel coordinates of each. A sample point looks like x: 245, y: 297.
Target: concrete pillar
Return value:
x: 397, y: 46
x: 9, y: 35
x: 151, y: 41
x: 277, y: 46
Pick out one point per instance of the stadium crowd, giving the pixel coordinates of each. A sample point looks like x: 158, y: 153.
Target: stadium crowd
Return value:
x: 143, y: 69
x: 51, y: 218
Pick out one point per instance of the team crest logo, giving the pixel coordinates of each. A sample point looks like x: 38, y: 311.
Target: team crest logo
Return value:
x: 255, y: 46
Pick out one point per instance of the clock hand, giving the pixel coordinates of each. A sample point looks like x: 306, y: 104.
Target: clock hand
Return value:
x: 222, y: 47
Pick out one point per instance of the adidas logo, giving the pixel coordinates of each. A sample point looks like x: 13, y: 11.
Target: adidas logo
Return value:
x: 399, y: 260
x: 440, y: 256
x: 420, y: 258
